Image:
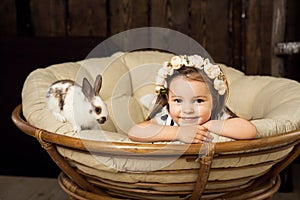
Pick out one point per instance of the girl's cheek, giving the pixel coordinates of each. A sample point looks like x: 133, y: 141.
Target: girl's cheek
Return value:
x: 205, y: 111
x: 175, y: 110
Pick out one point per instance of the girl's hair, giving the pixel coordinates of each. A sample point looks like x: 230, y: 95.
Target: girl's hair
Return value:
x: 191, y: 73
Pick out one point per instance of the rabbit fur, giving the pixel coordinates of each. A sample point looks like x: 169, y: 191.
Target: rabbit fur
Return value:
x: 80, y: 105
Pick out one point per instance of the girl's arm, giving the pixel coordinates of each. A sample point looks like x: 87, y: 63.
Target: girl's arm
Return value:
x: 236, y: 128
x: 150, y: 131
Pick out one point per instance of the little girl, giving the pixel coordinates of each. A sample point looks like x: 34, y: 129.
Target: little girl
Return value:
x: 190, y: 105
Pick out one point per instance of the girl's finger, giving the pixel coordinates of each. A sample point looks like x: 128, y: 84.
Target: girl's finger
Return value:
x: 204, y: 136
x: 202, y: 128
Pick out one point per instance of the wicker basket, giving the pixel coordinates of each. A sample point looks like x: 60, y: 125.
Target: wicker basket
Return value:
x: 82, y: 186
x: 256, y: 177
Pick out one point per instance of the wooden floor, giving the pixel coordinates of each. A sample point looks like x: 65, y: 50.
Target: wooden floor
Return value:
x: 29, y: 188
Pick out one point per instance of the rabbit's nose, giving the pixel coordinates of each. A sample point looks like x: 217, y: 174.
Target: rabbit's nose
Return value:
x: 101, y: 120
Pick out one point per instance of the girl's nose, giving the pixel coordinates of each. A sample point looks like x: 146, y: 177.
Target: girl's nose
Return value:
x: 188, y: 108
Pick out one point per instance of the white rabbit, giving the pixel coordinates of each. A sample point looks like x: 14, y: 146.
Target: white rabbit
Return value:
x: 81, y: 106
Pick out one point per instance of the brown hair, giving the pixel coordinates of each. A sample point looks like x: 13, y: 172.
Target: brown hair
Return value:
x: 191, y: 73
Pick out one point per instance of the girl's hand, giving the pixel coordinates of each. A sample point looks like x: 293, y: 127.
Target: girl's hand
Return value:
x: 194, y: 134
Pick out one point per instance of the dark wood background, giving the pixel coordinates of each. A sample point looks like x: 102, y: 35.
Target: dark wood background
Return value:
x: 38, y: 33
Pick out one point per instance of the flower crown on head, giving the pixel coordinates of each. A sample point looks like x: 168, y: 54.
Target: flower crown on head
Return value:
x: 212, y: 71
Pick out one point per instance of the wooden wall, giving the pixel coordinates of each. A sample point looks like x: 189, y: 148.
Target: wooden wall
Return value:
x: 239, y: 33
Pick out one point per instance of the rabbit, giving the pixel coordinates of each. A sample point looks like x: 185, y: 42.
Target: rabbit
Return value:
x: 80, y: 105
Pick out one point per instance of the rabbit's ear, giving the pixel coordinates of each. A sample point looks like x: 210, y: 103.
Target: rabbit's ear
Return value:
x: 87, y: 89
x: 98, y: 84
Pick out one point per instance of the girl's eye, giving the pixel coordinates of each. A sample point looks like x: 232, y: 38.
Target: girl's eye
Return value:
x: 199, y: 100
x: 178, y: 100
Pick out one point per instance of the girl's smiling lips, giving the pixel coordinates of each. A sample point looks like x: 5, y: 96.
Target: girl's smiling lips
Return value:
x: 189, y: 119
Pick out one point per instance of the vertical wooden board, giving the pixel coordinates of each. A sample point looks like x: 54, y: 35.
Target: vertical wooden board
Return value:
x: 48, y: 17
x: 127, y: 14
x: 258, y: 36
x: 292, y: 21
x: 118, y: 16
x: 172, y: 14
x: 159, y: 13
x: 24, y: 24
x: 266, y: 35
x: 140, y: 14
x: 197, y: 21
x: 179, y: 14
x: 278, y: 30
x: 236, y: 31
x: 8, y: 22
x: 217, y: 30
x: 160, y: 17
x: 87, y: 18
x: 292, y: 63
x: 252, y: 48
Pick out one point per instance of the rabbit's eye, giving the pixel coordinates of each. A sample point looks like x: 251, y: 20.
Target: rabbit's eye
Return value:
x: 98, y: 110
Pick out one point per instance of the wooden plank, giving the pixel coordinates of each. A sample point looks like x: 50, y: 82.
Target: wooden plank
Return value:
x: 278, y: 31
x: 159, y: 17
x: 252, y: 48
x: 179, y: 15
x: 127, y: 14
x: 159, y: 13
x: 237, y: 32
x: 8, y: 16
x: 217, y: 33
x: 209, y: 24
x: 292, y: 20
x: 87, y: 18
x: 292, y: 34
x: 198, y: 24
x: 258, y: 37
x: 287, y: 48
x: 48, y: 17
x: 24, y: 25
x: 172, y: 14
x: 197, y: 21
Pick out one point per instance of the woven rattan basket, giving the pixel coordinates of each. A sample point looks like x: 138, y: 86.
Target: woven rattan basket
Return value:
x: 255, y: 164
x: 82, y: 186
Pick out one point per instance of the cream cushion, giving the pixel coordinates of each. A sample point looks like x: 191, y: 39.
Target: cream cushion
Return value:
x: 271, y: 104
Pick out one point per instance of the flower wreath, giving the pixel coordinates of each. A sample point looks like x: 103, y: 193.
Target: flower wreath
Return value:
x: 212, y: 71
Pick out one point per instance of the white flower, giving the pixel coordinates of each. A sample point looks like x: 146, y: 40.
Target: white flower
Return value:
x: 185, y: 61
x: 164, y: 71
x: 176, y: 62
x: 166, y: 64
x: 211, y: 70
x: 220, y: 86
x: 197, y: 60
x: 191, y: 61
x: 160, y: 80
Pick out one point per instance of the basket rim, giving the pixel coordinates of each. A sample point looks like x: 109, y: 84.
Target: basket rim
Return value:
x: 128, y: 148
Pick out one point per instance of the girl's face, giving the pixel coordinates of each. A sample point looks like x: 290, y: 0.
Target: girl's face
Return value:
x: 190, y: 101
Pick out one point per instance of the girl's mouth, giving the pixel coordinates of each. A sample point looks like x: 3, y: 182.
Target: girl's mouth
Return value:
x: 189, y: 119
